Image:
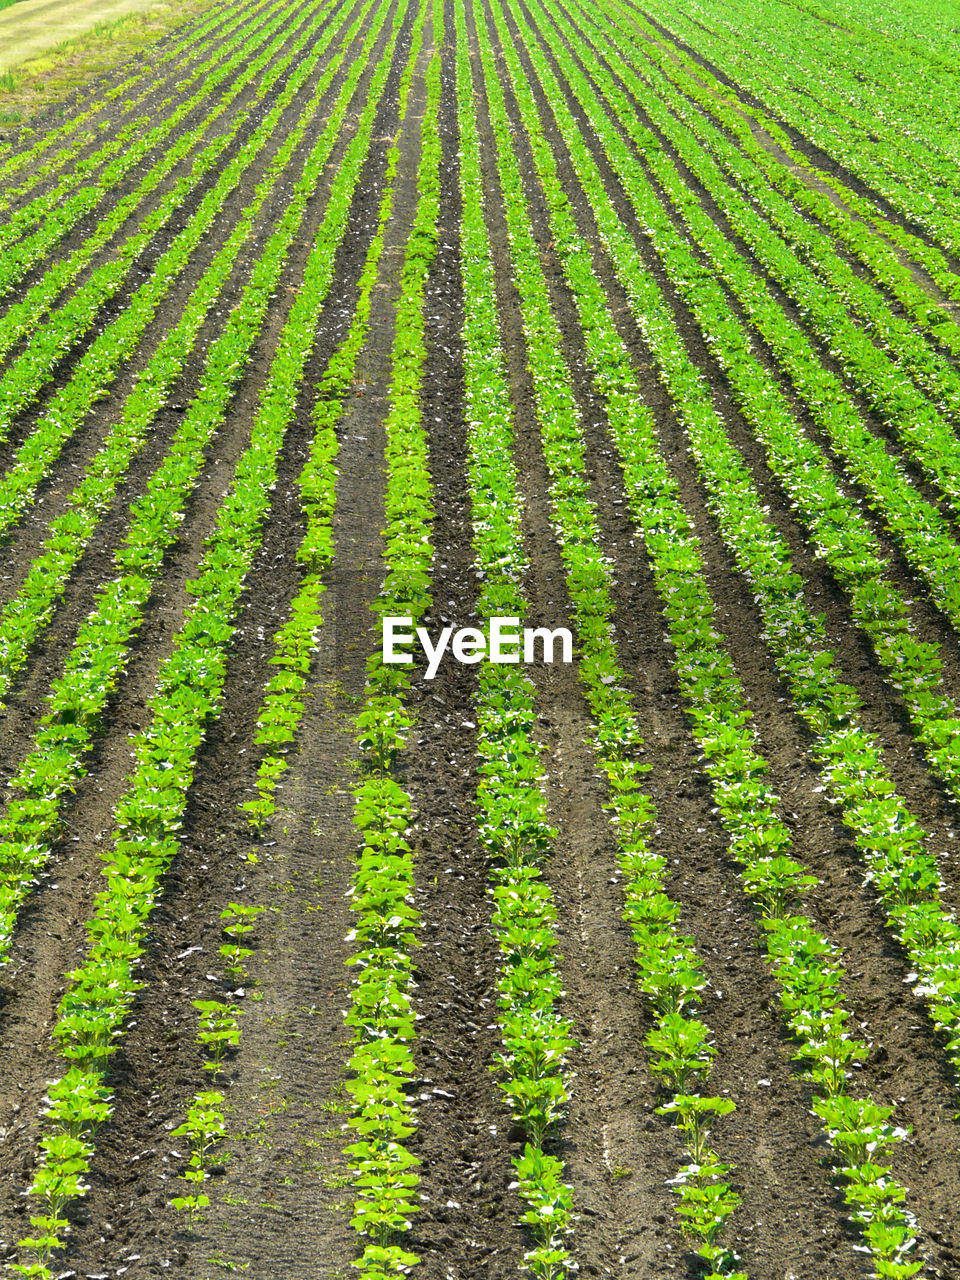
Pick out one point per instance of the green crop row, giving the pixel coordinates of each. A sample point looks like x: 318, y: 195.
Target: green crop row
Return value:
x: 805, y: 964
x: 218, y: 1031
x: 23, y: 315
x: 891, y: 838
x: 31, y: 608
x: 536, y: 1038
x: 381, y: 1012
x: 188, y: 692
x: 100, y: 652
x: 193, y: 41
x: 669, y: 971
x: 282, y: 707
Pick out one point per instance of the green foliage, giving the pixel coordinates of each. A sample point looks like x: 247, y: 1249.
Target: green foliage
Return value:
x: 190, y: 682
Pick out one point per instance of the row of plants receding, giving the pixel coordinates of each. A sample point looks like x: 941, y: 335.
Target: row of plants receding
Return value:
x: 536, y: 1037
x: 851, y: 216
x: 922, y: 532
x: 23, y: 316
x: 836, y: 526
x: 756, y: 66
x: 804, y: 962
x: 890, y: 837
x: 669, y: 971
x: 101, y: 650
x: 281, y: 711
x: 58, y: 211
x: 838, y: 530
x: 196, y: 38
x: 781, y: 196
x: 382, y: 1014
x: 187, y: 697
x: 66, y: 325
x: 218, y: 1032
x: 32, y: 606
x: 282, y: 707
x: 824, y: 295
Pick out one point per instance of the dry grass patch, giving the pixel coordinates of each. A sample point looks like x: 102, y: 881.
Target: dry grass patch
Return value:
x: 48, y: 80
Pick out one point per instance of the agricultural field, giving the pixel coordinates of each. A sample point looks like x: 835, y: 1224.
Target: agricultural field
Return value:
x: 479, y: 683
